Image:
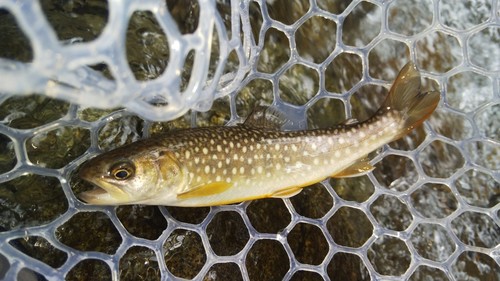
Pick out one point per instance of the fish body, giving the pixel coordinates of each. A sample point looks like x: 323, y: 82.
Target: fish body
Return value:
x: 222, y: 165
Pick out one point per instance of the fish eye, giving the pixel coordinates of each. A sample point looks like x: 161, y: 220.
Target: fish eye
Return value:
x: 122, y: 171
x: 121, y: 174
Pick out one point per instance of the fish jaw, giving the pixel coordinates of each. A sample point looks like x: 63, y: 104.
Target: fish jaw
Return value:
x: 104, y: 194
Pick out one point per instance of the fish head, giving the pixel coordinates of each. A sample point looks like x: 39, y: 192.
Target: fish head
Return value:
x: 127, y: 176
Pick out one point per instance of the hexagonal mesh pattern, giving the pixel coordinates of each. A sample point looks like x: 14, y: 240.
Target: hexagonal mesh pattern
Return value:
x: 430, y: 210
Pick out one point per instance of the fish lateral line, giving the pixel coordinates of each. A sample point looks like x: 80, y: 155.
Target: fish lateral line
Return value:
x: 207, y: 166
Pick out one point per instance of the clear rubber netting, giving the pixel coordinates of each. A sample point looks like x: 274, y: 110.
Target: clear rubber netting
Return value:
x: 81, y: 77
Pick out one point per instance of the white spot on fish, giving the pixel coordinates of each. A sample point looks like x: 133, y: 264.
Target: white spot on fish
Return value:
x: 205, y: 150
x: 187, y: 154
x: 207, y: 169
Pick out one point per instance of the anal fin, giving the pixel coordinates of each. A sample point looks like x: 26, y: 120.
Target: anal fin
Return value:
x: 205, y: 190
x: 359, y: 168
x: 287, y: 192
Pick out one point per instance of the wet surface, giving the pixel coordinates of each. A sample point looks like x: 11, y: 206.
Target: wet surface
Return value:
x: 323, y: 226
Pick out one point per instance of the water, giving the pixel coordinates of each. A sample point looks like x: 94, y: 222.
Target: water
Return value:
x: 429, y: 209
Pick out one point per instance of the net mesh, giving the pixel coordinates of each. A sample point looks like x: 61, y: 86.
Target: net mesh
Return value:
x: 106, y: 73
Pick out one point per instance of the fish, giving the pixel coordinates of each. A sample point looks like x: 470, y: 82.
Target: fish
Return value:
x: 219, y: 165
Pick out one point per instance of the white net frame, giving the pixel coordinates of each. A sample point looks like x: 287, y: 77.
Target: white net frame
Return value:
x: 61, y: 70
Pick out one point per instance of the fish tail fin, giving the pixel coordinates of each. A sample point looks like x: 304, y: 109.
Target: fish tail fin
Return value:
x: 406, y: 98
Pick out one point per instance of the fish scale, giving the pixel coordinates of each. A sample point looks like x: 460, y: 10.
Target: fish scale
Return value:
x: 222, y: 165
x: 257, y: 160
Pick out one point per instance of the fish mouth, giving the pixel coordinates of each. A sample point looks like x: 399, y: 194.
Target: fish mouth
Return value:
x: 104, y: 193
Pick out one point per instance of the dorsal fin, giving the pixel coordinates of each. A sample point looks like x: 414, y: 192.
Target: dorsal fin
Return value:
x: 265, y: 117
x: 350, y: 121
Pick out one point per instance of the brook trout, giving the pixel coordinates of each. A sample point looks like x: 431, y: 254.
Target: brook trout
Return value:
x: 222, y: 165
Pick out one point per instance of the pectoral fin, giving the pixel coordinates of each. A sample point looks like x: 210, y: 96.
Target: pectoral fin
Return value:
x: 359, y: 168
x: 287, y: 192
x: 205, y: 190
